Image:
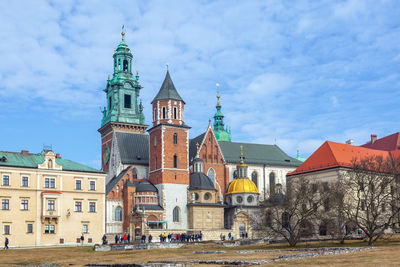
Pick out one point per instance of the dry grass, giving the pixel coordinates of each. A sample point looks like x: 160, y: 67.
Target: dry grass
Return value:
x: 385, y: 255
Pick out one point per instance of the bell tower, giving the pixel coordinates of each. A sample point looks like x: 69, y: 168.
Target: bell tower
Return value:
x: 169, y: 153
x: 123, y: 112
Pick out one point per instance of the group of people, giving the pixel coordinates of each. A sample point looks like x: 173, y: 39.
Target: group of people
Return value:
x: 183, y: 237
x: 126, y: 238
x: 143, y: 239
x: 243, y: 235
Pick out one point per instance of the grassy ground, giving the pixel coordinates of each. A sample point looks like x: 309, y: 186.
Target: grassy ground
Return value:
x: 386, y: 254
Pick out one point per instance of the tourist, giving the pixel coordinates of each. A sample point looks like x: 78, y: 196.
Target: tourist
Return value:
x: 229, y: 236
x: 246, y: 235
x: 201, y: 236
x: 129, y: 238
x: 104, y: 238
x: 124, y: 238
x: 82, y: 239
x: 120, y: 239
x: 150, y: 238
x: 6, y: 243
x: 116, y: 239
x: 161, y: 237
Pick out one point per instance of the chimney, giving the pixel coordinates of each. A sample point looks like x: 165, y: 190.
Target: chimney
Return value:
x: 58, y: 156
x: 24, y: 152
x: 350, y: 142
x: 373, y: 138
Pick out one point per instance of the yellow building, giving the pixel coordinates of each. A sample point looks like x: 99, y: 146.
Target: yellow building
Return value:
x: 47, y: 200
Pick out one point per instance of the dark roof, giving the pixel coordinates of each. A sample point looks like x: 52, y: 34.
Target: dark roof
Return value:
x: 110, y: 185
x: 200, y: 181
x: 167, y: 90
x: 257, y: 154
x: 193, y: 147
x: 133, y: 148
x: 30, y: 160
x: 145, y: 186
x: 148, y: 207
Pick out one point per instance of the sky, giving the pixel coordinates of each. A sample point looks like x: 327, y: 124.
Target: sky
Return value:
x: 291, y: 73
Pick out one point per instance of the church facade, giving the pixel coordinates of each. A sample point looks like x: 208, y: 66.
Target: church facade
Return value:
x: 161, y: 179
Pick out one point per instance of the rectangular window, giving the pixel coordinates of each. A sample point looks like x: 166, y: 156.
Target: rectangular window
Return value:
x: 85, y: 229
x: 49, y: 229
x: 50, y: 183
x: 6, y: 180
x: 50, y: 205
x: 78, y: 206
x: 78, y: 184
x: 127, y: 102
x: 5, y: 204
x: 25, y: 182
x: 24, y: 204
x: 109, y: 103
x: 175, y: 113
x: 92, y: 185
x: 155, y: 115
x: 92, y: 206
x: 29, y: 229
x: 6, y: 229
x: 164, y: 113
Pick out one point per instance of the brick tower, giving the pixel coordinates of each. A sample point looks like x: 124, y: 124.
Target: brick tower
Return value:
x: 169, y: 150
x: 123, y: 112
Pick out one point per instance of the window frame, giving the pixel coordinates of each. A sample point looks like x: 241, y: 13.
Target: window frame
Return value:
x: 92, y: 206
x: 164, y: 113
x: 25, y: 181
x: 78, y: 207
x: 175, y: 139
x: 24, y: 204
x: 85, y: 228
x: 7, y: 229
x: 175, y: 161
x: 5, y: 204
x: 92, y: 185
x: 51, y: 205
x: 6, y: 179
x: 29, y: 228
x: 78, y: 184
x: 175, y: 113
x: 127, y: 101
x: 49, y: 182
x: 176, y: 214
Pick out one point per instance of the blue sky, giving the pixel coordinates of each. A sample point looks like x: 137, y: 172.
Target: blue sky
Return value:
x: 298, y: 72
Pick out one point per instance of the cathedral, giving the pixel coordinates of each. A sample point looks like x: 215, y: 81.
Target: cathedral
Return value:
x: 160, y: 179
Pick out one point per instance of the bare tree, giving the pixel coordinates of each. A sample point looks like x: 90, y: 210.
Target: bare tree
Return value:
x: 291, y: 216
x: 370, y: 196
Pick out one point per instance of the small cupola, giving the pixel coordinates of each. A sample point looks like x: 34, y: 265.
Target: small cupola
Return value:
x: 242, y: 167
x: 198, y: 162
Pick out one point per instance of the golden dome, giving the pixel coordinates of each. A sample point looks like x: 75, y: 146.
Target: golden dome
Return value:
x: 242, y: 185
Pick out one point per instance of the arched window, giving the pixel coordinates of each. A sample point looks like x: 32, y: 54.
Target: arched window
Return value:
x: 175, y: 113
x: 211, y: 174
x: 176, y: 214
x: 271, y: 183
x: 134, y: 173
x: 175, y: 138
x: 125, y: 65
x: 50, y: 164
x: 175, y: 161
x: 118, y: 214
x: 164, y: 113
x: 254, y: 178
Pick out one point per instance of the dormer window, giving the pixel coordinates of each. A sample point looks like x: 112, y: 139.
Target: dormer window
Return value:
x: 50, y: 164
x: 3, y: 159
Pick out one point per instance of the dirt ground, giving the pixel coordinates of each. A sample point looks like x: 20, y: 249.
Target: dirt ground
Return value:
x: 386, y: 254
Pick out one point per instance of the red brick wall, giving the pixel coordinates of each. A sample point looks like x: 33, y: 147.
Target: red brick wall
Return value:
x: 164, y: 103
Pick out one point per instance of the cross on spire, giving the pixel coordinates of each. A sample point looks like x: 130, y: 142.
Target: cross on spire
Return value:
x: 197, y: 145
x: 123, y: 32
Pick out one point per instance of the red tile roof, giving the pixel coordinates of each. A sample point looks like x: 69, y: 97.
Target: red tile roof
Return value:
x: 390, y: 142
x: 331, y: 154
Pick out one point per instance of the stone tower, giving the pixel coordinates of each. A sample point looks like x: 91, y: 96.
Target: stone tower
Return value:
x: 221, y: 133
x: 169, y: 150
x: 123, y: 112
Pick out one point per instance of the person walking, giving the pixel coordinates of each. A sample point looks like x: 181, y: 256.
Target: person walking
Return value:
x: 129, y: 238
x: 150, y: 238
x: 104, y: 239
x: 82, y: 239
x: 116, y: 239
x: 6, y: 241
x: 125, y: 238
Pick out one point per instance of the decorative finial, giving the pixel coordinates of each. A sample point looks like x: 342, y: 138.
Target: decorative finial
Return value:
x: 166, y: 64
x: 298, y: 153
x: 241, y: 153
x: 123, y: 32
x: 197, y: 145
x: 108, y: 76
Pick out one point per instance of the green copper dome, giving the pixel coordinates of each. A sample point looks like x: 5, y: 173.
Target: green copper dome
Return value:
x: 221, y: 133
x: 123, y: 90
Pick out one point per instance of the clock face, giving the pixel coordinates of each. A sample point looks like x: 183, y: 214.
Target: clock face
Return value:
x: 106, y: 155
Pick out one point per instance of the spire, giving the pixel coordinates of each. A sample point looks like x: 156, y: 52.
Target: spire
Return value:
x: 123, y: 33
x: 168, y: 90
x: 242, y: 167
x: 221, y: 133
